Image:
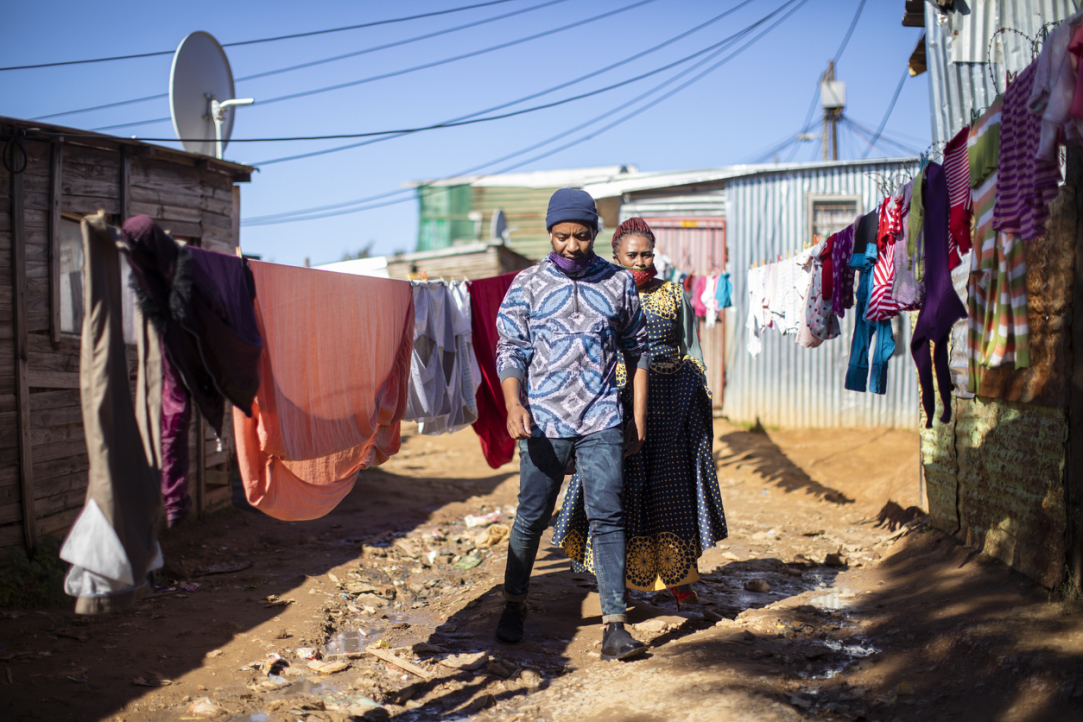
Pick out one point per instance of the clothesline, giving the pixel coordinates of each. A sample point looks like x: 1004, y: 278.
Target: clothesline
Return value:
x: 979, y: 206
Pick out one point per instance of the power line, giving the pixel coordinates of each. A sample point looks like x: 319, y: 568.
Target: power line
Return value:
x: 525, y: 98
x: 472, y: 121
x: 849, y: 32
x: 423, y: 66
x: 890, y: 107
x: 321, y: 61
x: 835, y: 59
x: 263, y: 40
x: 287, y: 216
x: 604, y: 129
x: 400, y: 42
x: 563, y: 134
x: 867, y: 133
x: 795, y: 139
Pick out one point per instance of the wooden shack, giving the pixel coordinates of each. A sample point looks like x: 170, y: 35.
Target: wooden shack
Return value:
x: 467, y: 261
x: 52, y: 176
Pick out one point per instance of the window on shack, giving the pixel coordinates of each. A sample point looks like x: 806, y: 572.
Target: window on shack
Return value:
x: 830, y: 214
x: 71, y: 276
x: 71, y: 282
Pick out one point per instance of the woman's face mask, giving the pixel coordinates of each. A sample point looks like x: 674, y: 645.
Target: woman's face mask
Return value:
x: 635, y: 252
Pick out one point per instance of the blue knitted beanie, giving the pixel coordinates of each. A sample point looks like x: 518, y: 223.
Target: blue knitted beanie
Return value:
x: 572, y: 204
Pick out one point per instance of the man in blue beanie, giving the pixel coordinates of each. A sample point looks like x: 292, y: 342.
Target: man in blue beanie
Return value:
x: 562, y: 325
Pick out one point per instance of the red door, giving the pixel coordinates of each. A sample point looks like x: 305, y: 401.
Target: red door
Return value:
x: 697, y: 246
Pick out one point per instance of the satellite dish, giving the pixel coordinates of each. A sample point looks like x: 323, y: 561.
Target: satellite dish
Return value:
x: 499, y: 227
x: 201, y: 95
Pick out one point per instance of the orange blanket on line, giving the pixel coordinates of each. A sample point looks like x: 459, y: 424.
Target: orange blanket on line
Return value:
x: 333, y: 386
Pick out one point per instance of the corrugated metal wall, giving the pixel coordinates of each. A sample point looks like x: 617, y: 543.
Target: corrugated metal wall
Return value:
x: 957, y: 48
x: 443, y: 217
x: 710, y: 203
x: 524, y: 209
x: 787, y: 385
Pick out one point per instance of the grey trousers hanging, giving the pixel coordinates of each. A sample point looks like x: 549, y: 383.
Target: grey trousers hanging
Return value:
x: 113, y: 545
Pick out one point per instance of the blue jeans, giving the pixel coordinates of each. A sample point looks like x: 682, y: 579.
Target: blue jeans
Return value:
x: 878, y: 333
x: 599, y: 458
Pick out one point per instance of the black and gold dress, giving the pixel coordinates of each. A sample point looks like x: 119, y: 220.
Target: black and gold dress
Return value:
x: 672, y: 506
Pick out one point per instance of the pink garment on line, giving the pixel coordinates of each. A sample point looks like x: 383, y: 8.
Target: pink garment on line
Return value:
x: 334, y: 377
x: 698, y: 287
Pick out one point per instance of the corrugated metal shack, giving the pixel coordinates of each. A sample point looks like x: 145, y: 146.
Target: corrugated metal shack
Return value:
x: 769, y: 211
x: 1006, y: 474
x: 67, y: 174
x: 460, y: 210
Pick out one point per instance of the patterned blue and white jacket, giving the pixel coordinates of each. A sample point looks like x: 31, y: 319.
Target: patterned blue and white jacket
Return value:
x: 561, y: 336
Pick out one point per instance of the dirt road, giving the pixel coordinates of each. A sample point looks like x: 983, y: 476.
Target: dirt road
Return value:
x: 830, y: 600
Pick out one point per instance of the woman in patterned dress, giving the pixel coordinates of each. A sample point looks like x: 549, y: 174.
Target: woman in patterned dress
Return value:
x: 672, y: 505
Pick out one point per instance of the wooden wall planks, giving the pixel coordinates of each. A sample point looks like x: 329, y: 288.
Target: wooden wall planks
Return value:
x: 43, y: 461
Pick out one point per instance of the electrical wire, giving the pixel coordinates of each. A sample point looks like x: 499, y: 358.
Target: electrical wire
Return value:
x: 762, y: 156
x: 867, y: 133
x: 471, y: 121
x: 525, y: 98
x: 261, y: 220
x: 849, y: 32
x: 835, y: 59
x: 599, y: 131
x: 415, y: 68
x: 263, y: 40
x: 890, y: 108
x: 321, y: 61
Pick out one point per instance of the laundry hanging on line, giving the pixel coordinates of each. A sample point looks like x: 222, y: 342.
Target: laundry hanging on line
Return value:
x: 444, y: 373
x: 113, y: 544
x: 334, y: 380
x: 201, y: 303
x: 486, y: 295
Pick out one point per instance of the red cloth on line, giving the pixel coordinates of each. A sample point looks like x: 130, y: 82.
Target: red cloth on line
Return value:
x: 827, y: 269
x: 957, y: 170
x: 486, y: 295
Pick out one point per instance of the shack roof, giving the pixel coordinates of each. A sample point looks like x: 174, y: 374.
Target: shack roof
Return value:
x: 617, y: 187
x: 573, y: 177
x: 35, y: 130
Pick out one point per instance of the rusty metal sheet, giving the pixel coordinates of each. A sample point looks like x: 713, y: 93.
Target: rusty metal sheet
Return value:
x: 1050, y: 268
x: 1011, y: 483
x: 940, y: 464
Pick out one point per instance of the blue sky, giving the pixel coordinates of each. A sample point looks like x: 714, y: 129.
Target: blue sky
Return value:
x: 732, y: 115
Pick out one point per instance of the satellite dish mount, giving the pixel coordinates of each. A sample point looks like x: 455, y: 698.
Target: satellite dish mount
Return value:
x: 217, y: 112
x: 201, y: 95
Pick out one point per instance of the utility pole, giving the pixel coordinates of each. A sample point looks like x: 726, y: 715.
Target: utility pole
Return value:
x: 833, y: 100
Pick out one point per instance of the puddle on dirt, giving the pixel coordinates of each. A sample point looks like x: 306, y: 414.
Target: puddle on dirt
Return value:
x: 729, y: 584
x: 850, y: 653
x: 833, y: 600
x: 348, y: 642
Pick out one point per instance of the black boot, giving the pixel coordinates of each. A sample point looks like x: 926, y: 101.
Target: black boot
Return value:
x: 509, y: 629
x: 618, y: 644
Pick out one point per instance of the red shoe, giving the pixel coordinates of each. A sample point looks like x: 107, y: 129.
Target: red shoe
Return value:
x: 689, y: 597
